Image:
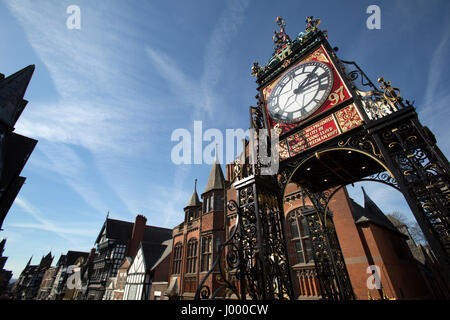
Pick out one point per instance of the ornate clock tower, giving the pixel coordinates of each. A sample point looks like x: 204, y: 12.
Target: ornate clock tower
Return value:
x: 334, y: 127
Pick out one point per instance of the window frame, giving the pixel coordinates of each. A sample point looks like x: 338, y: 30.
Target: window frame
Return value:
x: 191, y: 256
x: 177, y: 258
x: 206, y: 253
x: 302, y: 238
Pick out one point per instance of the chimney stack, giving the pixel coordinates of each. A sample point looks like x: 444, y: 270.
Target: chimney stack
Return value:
x: 137, y: 235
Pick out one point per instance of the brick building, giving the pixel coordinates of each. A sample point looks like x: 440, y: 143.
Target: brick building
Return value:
x: 46, y: 283
x: 121, y: 279
x: 196, y: 239
x: 160, y: 274
x: 368, y: 239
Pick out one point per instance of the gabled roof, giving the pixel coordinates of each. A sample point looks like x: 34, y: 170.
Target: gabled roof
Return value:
x: 61, y: 260
x: 121, y: 231
x: 167, y: 252
x: 152, y: 252
x: 128, y: 260
x: 72, y: 257
x: 216, y: 179
x: 370, y: 213
x: 397, y: 223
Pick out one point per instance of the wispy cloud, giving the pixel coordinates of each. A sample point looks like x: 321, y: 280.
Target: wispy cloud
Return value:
x: 63, y: 231
x: 99, y: 107
x: 198, y: 93
x: 201, y: 93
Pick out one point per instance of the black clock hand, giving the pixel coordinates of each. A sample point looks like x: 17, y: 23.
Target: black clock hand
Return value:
x: 303, y: 83
x: 309, y: 85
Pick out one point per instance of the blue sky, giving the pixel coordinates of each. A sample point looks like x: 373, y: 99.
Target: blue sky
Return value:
x: 105, y: 99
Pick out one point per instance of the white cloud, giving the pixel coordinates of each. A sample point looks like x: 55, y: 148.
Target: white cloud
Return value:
x: 98, y: 107
x: 67, y: 233
x: 201, y: 93
x: 434, y: 109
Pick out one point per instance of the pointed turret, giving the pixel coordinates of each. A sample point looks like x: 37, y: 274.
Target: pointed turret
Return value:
x: 216, y: 179
x: 373, y: 213
x: 12, y: 91
x: 194, y: 201
x: 46, y: 261
x: 29, y: 261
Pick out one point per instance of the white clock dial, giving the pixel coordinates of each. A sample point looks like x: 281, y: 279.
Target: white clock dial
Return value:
x: 300, y: 92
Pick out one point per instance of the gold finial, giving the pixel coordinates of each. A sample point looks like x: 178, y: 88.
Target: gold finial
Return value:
x: 391, y: 94
x: 312, y: 24
x: 237, y: 169
x: 280, y: 38
x: 256, y: 69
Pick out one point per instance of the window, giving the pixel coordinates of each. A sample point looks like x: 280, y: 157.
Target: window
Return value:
x: 132, y: 292
x: 206, y: 253
x: 177, y: 258
x: 192, y: 214
x: 300, y: 237
x: 211, y: 203
x: 191, y: 265
x: 219, y: 202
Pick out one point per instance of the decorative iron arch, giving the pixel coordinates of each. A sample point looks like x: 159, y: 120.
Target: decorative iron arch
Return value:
x: 292, y: 167
x: 333, y: 277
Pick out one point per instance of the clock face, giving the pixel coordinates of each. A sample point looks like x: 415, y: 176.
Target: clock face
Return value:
x: 300, y: 92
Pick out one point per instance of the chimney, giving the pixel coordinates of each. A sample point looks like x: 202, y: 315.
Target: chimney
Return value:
x: 137, y: 235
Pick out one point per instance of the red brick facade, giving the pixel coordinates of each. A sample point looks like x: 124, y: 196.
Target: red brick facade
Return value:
x: 363, y: 243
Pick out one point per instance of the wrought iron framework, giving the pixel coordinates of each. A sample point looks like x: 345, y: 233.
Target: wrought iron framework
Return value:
x: 255, y: 255
x: 253, y: 262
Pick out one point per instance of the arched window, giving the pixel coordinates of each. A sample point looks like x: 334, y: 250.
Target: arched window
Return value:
x: 177, y: 258
x: 191, y: 265
x: 300, y: 236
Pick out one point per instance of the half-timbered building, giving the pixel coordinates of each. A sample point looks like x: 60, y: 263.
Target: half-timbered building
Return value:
x: 119, y: 239
x: 29, y: 282
x: 142, y: 269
